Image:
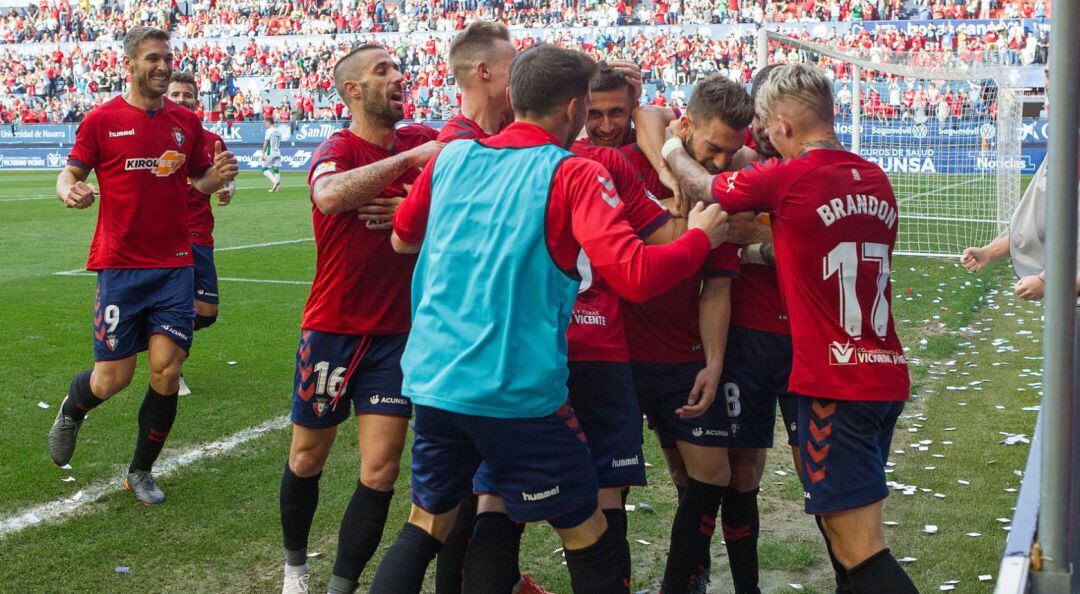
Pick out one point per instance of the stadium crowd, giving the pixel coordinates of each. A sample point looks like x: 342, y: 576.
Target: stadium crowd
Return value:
x: 60, y: 86
x: 62, y: 20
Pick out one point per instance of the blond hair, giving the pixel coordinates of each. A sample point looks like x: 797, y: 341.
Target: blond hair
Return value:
x: 805, y: 84
x: 475, y: 43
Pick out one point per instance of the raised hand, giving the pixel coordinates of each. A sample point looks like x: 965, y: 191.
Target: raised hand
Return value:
x: 631, y: 72
x: 225, y: 165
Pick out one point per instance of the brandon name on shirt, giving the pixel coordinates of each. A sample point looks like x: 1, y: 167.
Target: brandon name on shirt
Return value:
x: 838, y: 208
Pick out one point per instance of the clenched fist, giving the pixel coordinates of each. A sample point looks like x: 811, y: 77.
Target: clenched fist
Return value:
x: 711, y: 219
x: 80, y: 195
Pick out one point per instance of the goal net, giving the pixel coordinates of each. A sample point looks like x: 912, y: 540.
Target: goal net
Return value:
x: 947, y: 132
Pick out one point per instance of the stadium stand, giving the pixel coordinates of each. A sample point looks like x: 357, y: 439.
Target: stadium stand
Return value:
x: 254, y: 60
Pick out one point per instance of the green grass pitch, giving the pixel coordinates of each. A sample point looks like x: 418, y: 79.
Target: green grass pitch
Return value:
x: 219, y: 529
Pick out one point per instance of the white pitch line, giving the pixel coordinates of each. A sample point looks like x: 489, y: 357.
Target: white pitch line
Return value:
x: 261, y: 245
x: 265, y: 281
x: 83, y: 272
x: 939, y: 190
x: 268, y: 281
x: 53, y: 196
x: 168, y: 465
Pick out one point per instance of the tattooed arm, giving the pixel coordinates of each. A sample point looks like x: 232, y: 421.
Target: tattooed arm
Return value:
x: 352, y: 189
x: 694, y: 181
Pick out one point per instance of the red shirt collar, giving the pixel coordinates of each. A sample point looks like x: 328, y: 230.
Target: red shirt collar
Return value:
x: 521, y: 134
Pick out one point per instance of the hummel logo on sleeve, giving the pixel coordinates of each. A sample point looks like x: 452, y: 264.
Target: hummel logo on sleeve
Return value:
x: 611, y: 198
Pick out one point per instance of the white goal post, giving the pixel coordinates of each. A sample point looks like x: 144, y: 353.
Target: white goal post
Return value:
x: 947, y: 133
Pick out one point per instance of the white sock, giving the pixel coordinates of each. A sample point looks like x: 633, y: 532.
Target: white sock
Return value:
x: 277, y: 178
x: 268, y: 175
x: 296, y: 569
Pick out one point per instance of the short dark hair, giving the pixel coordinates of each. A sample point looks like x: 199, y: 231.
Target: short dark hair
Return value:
x: 184, y: 78
x: 136, y: 35
x: 608, y: 79
x: 544, y: 77
x: 759, y: 78
x: 720, y: 97
x: 269, y: 119
x: 473, y: 41
x: 340, y: 64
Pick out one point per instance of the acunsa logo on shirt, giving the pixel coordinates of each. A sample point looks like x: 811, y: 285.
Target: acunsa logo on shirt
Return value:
x: 167, y: 164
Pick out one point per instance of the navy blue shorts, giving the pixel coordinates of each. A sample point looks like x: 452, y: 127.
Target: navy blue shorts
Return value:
x: 540, y: 466
x: 662, y: 388
x: 602, y: 395
x: 844, y: 446
x: 789, y: 411
x: 131, y: 304
x: 206, y: 282
x: 334, y: 370
x: 756, y: 369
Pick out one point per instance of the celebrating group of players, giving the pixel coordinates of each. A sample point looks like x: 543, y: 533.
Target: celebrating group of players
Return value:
x: 524, y: 284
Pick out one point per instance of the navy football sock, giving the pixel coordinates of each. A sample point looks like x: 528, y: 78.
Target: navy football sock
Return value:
x: 881, y: 574
x: 361, y: 530
x: 616, y: 521
x: 740, y: 522
x: 491, y: 562
x: 80, y: 398
x: 450, y: 563
x: 298, y: 499
x: 593, y: 570
x: 156, y: 416
x: 691, y: 533
x: 402, y: 569
x: 204, y: 321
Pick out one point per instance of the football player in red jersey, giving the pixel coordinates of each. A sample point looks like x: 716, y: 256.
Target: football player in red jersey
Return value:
x: 357, y: 317
x: 678, y: 343
x: 834, y: 218
x: 144, y: 149
x: 480, y: 57
x: 184, y: 91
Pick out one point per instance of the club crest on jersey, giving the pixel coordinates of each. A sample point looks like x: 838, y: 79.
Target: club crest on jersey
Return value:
x: 841, y: 354
x: 111, y: 342
x: 167, y: 164
x: 178, y: 136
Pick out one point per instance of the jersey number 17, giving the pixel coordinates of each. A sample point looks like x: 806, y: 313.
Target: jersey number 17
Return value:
x: 843, y: 260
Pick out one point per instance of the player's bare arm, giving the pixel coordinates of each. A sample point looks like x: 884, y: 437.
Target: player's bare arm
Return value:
x: 402, y: 247
x: 745, y: 229
x: 650, y: 123
x: 223, y: 170
x: 975, y: 259
x: 694, y: 181
x: 714, y: 317
x: 352, y: 189
x: 72, y: 189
